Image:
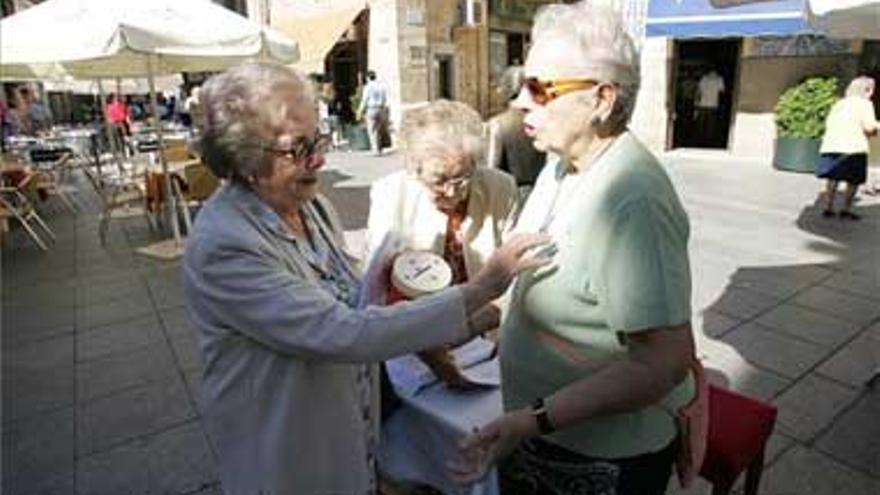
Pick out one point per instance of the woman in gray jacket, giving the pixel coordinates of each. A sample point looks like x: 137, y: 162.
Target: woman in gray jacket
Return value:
x: 288, y: 385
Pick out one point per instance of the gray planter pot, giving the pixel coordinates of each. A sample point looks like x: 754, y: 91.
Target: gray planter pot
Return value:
x: 796, y: 155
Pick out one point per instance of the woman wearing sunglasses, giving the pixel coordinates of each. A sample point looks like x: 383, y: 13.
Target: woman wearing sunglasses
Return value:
x: 595, y: 354
x: 445, y: 201
x: 288, y: 381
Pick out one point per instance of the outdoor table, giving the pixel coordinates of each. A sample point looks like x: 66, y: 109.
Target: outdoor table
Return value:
x: 423, y: 435
x: 78, y: 140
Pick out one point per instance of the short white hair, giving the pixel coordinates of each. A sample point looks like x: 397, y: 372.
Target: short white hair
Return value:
x: 860, y: 86
x: 442, y: 129
x: 605, y: 49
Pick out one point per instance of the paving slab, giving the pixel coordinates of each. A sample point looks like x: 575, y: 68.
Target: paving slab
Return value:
x: 167, y: 294
x: 810, y: 325
x: 177, y: 322
x: 777, y: 352
x: 744, y: 304
x: 778, y: 444
x: 120, y: 337
x: 802, y: 471
x: 864, y: 282
x: 109, y: 421
x: 855, y: 437
x: 35, y: 321
x: 48, y: 483
x: 38, y: 356
x: 36, y: 446
x: 193, y: 380
x: 860, y: 310
x: 175, y: 461
x: 120, y: 371
x: 31, y: 393
x: 127, y: 287
x: 857, y: 362
x: 117, y: 310
x: 715, y: 324
x: 810, y: 406
x: 779, y: 281
x: 186, y: 350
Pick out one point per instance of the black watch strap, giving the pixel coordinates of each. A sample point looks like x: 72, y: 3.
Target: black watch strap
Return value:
x: 539, y: 411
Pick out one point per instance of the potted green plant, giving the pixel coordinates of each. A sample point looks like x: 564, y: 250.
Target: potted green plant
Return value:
x: 800, y: 123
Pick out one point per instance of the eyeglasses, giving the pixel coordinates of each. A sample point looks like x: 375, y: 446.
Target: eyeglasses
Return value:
x: 303, y: 149
x: 447, y: 183
x: 543, y: 92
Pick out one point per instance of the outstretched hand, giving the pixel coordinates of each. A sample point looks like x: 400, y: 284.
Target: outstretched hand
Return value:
x: 480, y: 451
x: 521, y: 252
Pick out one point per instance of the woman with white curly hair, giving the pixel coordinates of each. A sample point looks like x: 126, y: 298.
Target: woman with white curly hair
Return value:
x: 445, y: 201
x: 595, y: 353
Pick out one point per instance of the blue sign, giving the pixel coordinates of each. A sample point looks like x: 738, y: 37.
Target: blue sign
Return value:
x: 700, y: 19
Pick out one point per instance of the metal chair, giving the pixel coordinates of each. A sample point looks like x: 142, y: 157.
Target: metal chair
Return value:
x: 52, y: 177
x: 14, y: 203
x: 116, y: 191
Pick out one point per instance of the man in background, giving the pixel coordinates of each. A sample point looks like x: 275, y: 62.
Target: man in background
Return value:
x: 374, y: 109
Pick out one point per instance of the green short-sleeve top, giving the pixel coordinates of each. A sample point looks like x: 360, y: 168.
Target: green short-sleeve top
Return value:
x: 621, y: 267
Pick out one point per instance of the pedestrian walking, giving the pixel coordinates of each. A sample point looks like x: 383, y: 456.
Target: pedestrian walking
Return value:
x: 120, y: 122
x: 844, y: 149
x: 374, y: 110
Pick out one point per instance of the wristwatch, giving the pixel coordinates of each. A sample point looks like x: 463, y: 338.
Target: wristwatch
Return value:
x: 539, y: 412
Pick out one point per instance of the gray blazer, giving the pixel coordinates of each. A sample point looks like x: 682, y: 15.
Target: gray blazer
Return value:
x: 282, y: 356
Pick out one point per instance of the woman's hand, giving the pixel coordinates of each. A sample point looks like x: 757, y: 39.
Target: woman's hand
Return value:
x: 491, y: 443
x: 519, y: 253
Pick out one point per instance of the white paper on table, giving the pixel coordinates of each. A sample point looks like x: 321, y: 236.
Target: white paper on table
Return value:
x: 410, y: 375
x: 374, y: 285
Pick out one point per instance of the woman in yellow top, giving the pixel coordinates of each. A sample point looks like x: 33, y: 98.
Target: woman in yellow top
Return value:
x: 844, y: 151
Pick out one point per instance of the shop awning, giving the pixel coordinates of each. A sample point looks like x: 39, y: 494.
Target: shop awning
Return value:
x: 704, y: 18
x: 316, y: 28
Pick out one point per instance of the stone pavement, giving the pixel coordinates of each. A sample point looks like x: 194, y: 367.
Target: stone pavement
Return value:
x: 100, y: 367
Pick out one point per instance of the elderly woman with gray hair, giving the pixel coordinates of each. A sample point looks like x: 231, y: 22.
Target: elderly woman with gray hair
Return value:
x: 596, y: 352
x: 844, y: 149
x: 288, y: 385
x: 445, y: 201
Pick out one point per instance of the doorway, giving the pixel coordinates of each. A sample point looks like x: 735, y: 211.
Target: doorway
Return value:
x: 444, y: 77
x: 703, y: 92
x: 869, y: 65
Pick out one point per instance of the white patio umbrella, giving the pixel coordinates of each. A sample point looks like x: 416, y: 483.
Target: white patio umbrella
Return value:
x: 132, y: 86
x: 94, y: 39
x: 846, y: 18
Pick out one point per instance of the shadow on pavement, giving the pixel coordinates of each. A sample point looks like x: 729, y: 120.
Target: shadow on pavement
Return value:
x: 807, y: 339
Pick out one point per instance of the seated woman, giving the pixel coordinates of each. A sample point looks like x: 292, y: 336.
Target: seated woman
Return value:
x: 444, y: 201
x: 288, y: 379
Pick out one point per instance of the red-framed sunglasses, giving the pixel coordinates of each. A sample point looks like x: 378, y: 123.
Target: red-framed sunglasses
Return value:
x: 544, y: 92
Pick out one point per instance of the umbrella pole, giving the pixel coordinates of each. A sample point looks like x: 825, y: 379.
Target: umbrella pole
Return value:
x: 169, y: 193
